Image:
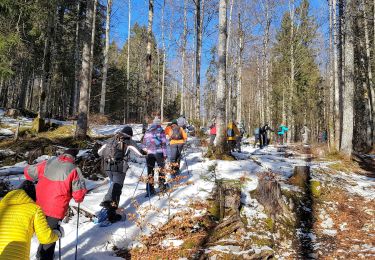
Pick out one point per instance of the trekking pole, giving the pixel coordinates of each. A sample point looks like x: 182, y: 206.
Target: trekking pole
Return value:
x: 75, y: 256
x: 140, y: 177
x: 59, y: 248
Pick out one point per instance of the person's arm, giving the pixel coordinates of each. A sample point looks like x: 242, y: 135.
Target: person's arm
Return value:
x: 163, y: 143
x: 43, y: 232
x: 101, y: 149
x: 32, y: 172
x: 184, y: 135
x: 78, y: 185
x: 133, y: 146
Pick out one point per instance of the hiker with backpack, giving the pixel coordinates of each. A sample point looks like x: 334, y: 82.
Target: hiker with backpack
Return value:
x: 20, y: 219
x: 265, y: 130
x: 59, y: 180
x: 177, y: 138
x: 305, y: 132
x: 155, y: 143
x: 281, y: 131
x: 232, y: 134
x: 115, y: 154
x: 212, y: 134
x: 241, y: 129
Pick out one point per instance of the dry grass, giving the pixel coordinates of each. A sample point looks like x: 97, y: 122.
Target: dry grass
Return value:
x: 182, y: 226
x: 98, y: 119
x: 358, y: 216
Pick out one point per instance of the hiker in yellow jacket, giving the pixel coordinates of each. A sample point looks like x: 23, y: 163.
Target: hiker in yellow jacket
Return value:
x: 20, y: 217
x: 232, y: 134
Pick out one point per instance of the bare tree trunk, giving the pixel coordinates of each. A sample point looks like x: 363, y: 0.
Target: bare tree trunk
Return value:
x: 332, y: 74
x: 199, y: 28
x: 105, y: 65
x: 149, y: 35
x: 370, y: 85
x: 164, y: 60
x: 184, y: 42
x: 75, y: 95
x: 239, y: 80
x: 126, y: 114
x: 93, y: 30
x: 220, y: 119
x: 292, y: 72
x: 338, y: 75
x: 348, y: 93
x: 228, y: 100
x: 45, y: 66
x: 82, y: 124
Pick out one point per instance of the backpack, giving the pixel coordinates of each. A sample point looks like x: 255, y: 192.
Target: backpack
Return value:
x: 256, y: 131
x: 230, y: 132
x: 176, y: 133
x: 115, y: 149
x: 280, y: 130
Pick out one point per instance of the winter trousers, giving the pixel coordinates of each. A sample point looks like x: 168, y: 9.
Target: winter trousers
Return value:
x: 232, y: 145
x: 111, y: 200
x: 212, y: 139
x: 265, y: 139
x: 176, y: 151
x: 151, y: 160
x: 238, y: 143
x: 47, y: 251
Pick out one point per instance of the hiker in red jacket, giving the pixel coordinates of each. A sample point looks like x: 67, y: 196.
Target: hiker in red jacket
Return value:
x: 59, y: 180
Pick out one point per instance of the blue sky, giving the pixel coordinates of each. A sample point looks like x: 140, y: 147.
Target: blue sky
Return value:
x: 119, y: 23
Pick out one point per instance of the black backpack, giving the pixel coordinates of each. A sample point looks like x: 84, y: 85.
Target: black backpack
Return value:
x: 176, y: 133
x: 115, y: 150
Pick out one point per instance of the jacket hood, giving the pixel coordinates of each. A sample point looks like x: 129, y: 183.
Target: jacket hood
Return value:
x: 16, y: 197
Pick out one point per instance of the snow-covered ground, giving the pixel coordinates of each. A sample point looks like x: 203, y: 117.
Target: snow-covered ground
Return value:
x: 195, y: 183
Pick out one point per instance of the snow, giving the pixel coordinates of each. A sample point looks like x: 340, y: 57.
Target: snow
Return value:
x: 6, y: 132
x: 196, y: 184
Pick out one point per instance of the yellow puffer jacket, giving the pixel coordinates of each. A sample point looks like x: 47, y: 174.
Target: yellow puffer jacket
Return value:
x: 19, y: 218
x: 233, y: 126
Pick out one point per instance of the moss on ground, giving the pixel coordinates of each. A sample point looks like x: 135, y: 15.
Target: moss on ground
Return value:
x: 315, y: 188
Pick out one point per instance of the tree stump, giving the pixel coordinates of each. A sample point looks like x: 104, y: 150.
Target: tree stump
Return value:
x: 301, y: 176
x: 228, y: 197
x: 38, y: 125
x: 268, y: 193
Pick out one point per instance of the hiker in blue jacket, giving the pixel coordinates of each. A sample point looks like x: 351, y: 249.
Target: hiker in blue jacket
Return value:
x: 282, y: 130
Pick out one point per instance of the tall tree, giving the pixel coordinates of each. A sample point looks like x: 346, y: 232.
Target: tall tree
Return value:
x: 183, y: 74
x: 239, y: 77
x: 348, y: 93
x: 149, y: 35
x: 199, y: 16
x: 126, y: 114
x: 164, y: 60
x: 82, y: 123
x: 220, y: 119
x: 105, y: 65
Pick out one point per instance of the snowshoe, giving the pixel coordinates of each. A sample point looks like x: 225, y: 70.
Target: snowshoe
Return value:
x: 101, y: 216
x: 105, y: 223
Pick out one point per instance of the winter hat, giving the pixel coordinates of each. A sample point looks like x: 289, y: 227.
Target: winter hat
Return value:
x: 29, y: 188
x: 174, y: 121
x: 71, y: 151
x: 127, y: 130
x: 156, y: 121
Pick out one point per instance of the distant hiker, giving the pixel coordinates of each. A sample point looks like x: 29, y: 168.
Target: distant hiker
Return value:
x: 212, y: 134
x: 115, y: 154
x: 59, y: 180
x: 181, y: 121
x: 265, y: 130
x: 155, y: 143
x: 177, y: 137
x: 241, y: 130
x: 281, y: 131
x: 20, y: 219
x: 232, y: 133
x: 257, y: 137
x: 305, y: 131
x: 144, y: 126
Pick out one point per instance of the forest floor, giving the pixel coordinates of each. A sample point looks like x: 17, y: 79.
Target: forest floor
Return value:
x: 335, y: 220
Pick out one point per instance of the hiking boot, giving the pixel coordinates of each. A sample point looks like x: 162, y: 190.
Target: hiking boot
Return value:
x: 115, y: 218
x: 164, y: 188
x: 150, y: 190
x: 105, y: 204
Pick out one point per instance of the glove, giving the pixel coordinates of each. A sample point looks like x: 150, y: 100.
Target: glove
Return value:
x: 59, y: 232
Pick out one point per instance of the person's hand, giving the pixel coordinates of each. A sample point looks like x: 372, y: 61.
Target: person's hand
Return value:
x: 59, y: 232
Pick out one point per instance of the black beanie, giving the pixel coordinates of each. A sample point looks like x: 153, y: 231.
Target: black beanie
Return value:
x: 72, y: 151
x: 127, y: 130
x: 29, y: 188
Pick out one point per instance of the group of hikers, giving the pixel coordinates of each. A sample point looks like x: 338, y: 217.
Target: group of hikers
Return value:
x: 42, y: 201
